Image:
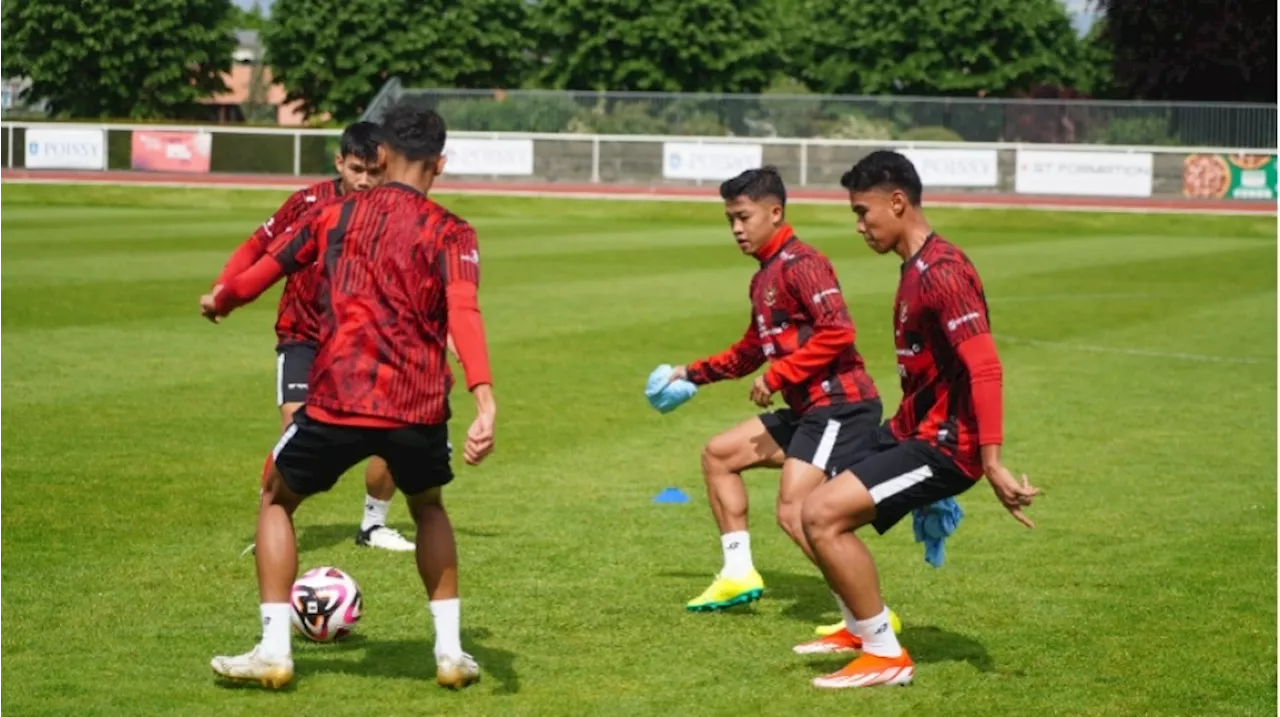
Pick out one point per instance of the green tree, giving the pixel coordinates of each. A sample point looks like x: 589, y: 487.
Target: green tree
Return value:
x: 252, y: 19
x: 102, y: 58
x: 334, y: 55
x: 1191, y: 50
x: 936, y: 47
x: 658, y: 45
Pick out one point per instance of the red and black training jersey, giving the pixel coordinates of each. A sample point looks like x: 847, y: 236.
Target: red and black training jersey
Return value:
x: 297, y: 319
x: 801, y: 326
x: 398, y: 274
x: 940, y: 304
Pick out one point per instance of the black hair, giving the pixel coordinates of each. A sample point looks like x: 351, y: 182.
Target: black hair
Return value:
x: 361, y: 140
x: 414, y: 130
x: 755, y: 184
x: 884, y: 170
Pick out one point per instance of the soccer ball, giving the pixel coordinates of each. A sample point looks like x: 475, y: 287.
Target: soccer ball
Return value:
x: 326, y: 604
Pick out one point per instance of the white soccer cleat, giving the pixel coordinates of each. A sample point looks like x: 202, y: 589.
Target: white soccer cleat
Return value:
x: 456, y: 672
x: 254, y: 666
x: 380, y: 536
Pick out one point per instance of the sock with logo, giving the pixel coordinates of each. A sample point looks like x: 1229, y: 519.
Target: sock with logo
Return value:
x: 276, y: 624
x: 877, y: 635
x: 737, y: 554
x: 375, y: 512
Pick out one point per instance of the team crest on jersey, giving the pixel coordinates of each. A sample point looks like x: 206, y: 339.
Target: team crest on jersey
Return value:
x: 770, y: 296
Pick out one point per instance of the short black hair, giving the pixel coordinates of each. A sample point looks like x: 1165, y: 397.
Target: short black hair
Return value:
x: 361, y: 140
x: 414, y: 130
x: 885, y: 170
x: 755, y: 184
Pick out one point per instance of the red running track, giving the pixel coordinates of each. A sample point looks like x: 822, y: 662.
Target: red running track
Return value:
x: 617, y: 191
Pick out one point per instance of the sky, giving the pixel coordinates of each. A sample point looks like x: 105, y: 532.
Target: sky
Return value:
x: 1081, y: 11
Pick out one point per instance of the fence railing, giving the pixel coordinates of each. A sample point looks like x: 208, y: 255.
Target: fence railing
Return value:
x: 987, y: 167
x: 971, y: 119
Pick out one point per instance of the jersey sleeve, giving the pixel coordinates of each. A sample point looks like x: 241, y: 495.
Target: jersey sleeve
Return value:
x: 952, y: 291
x: 260, y: 241
x: 459, y: 262
x: 812, y: 283
x: 737, y: 361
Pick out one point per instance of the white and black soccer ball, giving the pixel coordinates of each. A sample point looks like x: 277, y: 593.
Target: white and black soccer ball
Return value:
x: 326, y: 604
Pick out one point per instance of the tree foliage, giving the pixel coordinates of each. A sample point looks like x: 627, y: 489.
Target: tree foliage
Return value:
x: 334, y: 55
x: 102, y: 58
x: 657, y: 45
x: 936, y: 47
x: 1192, y: 50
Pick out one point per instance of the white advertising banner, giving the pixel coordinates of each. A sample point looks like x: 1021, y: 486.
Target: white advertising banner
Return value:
x: 955, y: 167
x: 1097, y: 174
x: 687, y: 160
x: 512, y: 157
x: 66, y: 149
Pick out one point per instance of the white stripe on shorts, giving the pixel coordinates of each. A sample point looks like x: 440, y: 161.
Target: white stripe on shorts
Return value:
x: 896, y: 485
x: 826, y: 444
x: 280, y: 379
x: 284, y: 440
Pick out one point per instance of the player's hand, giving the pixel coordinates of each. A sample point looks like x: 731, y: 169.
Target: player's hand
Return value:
x: 208, y: 307
x: 1013, y: 495
x: 480, y: 435
x: 679, y: 373
x: 479, y: 438
x: 761, y: 393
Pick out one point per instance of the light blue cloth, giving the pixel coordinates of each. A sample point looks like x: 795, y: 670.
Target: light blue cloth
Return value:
x: 666, y: 395
x: 932, y: 524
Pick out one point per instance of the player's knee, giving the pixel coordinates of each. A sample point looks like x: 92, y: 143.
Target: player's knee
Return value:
x: 718, y: 456
x: 818, y: 521
x: 789, y: 519
x: 423, y: 505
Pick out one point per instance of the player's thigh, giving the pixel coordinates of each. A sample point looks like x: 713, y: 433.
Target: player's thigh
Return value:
x: 799, y: 479
x: 293, y: 370
x: 418, y: 457
x: 911, y: 475
x: 832, y: 438
x: 312, y: 456
x: 754, y: 443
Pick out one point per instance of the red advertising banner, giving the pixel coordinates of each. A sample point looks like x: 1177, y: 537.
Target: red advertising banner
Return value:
x: 171, y: 151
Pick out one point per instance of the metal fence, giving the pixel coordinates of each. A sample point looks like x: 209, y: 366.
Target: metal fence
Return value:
x: 1165, y: 172
x: 1251, y: 126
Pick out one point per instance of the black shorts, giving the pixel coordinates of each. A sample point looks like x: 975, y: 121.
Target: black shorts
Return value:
x: 904, y: 475
x: 312, y: 456
x: 293, y: 368
x: 825, y: 437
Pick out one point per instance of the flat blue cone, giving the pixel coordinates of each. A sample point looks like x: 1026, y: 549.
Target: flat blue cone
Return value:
x: 671, y: 495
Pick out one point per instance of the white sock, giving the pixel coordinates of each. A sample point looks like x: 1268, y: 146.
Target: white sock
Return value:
x: 845, y: 613
x: 276, y: 622
x: 444, y: 613
x: 877, y: 635
x: 375, y: 512
x: 737, y: 554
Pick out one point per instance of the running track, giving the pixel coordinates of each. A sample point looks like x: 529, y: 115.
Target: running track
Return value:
x: 686, y: 193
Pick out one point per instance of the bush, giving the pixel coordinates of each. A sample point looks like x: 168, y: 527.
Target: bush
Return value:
x: 1152, y: 130
x: 621, y: 118
x: 930, y: 134
x: 550, y: 113
x: 855, y: 125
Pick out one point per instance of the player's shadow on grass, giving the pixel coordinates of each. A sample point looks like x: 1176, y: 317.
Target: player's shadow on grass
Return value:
x: 409, y: 659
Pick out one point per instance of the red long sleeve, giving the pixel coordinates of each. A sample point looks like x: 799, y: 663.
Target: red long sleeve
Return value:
x: 245, y: 256
x: 248, y: 285
x: 817, y: 353
x: 736, y: 361
x: 466, y: 326
x: 986, y: 384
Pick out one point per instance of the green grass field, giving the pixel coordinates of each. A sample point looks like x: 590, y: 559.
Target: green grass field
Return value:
x: 1140, y: 394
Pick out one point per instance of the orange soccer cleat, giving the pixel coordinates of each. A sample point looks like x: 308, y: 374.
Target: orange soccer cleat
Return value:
x: 869, y: 671
x: 839, y: 641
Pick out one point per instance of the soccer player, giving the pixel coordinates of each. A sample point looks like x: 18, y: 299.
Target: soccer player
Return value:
x: 400, y: 274
x: 296, y: 322
x: 800, y: 325
x: 947, y: 432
